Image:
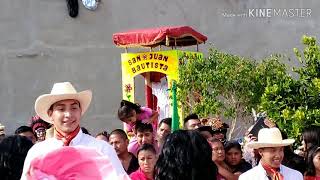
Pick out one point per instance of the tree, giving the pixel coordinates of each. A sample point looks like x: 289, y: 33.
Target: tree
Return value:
x: 225, y: 85
x: 294, y: 104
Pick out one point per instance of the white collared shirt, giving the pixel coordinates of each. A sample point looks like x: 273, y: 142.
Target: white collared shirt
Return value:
x: 80, y: 139
x: 258, y: 173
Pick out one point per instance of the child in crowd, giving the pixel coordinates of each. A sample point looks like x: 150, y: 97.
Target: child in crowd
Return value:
x: 313, y: 164
x: 147, y: 159
x: 234, y: 158
x: 131, y: 113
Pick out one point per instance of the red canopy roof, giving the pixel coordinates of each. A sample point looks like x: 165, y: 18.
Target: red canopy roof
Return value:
x: 168, y: 36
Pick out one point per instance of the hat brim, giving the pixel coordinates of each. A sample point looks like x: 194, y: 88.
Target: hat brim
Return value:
x: 257, y: 144
x: 44, y: 102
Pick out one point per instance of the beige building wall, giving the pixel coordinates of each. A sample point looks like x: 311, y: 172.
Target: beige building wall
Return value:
x: 40, y: 44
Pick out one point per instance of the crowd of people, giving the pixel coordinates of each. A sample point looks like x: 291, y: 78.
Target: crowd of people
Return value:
x: 54, y: 146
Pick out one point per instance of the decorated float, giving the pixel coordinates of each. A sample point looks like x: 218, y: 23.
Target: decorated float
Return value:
x: 160, y: 68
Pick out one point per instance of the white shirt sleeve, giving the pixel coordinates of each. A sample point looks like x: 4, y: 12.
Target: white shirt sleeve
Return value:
x: 26, y: 164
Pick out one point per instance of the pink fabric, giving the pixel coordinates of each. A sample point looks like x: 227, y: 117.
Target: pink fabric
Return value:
x: 133, y: 146
x: 138, y: 175
x: 73, y: 163
x: 143, y: 116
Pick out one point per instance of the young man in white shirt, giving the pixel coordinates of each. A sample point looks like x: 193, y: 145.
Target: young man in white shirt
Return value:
x: 63, y: 108
x: 270, y: 147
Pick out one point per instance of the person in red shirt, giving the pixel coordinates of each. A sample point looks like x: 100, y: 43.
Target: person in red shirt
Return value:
x: 147, y: 158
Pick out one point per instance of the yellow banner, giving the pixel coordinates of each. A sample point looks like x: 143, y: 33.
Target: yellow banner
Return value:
x: 165, y: 62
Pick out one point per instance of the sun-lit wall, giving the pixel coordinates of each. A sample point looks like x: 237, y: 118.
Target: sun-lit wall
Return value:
x: 40, y: 44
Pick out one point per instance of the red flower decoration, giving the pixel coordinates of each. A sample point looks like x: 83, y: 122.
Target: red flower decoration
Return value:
x: 128, y: 88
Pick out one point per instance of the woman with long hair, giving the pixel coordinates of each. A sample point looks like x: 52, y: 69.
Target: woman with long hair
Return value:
x: 186, y: 155
x: 313, y: 164
x: 310, y: 138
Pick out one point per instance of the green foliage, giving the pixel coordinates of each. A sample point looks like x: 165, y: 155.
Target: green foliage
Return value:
x: 294, y: 104
x: 206, y: 83
x: 225, y: 85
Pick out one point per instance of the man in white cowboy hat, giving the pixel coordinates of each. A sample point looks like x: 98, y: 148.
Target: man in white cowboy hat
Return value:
x: 63, y: 108
x: 270, y: 147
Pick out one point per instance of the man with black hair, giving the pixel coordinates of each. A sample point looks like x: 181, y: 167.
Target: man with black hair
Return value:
x: 144, y: 133
x: 27, y: 132
x: 119, y: 140
x: 270, y: 146
x: 164, y: 129
x: 192, y: 122
x: 206, y: 132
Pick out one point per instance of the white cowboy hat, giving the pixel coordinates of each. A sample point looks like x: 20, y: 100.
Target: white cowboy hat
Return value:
x: 270, y: 137
x: 61, y: 91
x: 2, y: 129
